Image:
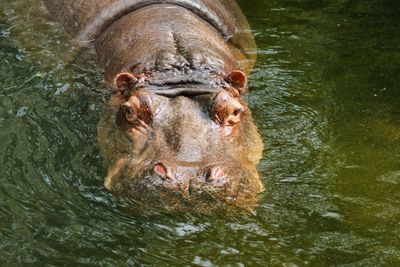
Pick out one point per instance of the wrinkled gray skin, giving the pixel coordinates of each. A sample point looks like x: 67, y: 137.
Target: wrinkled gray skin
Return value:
x: 175, y: 151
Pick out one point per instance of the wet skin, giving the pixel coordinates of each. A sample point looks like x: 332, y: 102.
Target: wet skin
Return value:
x: 176, y: 133
x: 178, y: 153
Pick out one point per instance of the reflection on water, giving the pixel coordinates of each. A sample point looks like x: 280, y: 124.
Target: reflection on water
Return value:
x: 325, y: 95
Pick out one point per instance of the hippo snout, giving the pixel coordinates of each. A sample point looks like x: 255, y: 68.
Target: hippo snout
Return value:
x: 185, y: 178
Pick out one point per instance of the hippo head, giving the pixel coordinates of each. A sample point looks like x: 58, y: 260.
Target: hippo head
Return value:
x: 191, y: 148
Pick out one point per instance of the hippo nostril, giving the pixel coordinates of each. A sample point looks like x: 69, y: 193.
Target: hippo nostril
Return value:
x: 160, y: 169
x: 215, y: 173
x: 163, y: 171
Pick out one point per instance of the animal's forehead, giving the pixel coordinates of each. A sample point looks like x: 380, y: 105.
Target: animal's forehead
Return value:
x: 183, y: 107
x: 183, y: 126
x: 185, y: 119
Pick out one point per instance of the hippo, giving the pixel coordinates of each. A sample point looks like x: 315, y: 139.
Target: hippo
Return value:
x: 177, y: 133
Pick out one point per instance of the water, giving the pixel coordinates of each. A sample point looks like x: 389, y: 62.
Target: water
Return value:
x: 325, y: 94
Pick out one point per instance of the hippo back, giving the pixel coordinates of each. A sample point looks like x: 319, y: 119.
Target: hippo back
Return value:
x: 86, y: 19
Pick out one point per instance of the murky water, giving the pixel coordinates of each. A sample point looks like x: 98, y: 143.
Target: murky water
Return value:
x: 325, y: 95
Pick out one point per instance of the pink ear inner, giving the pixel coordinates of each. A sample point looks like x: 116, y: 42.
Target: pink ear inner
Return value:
x: 237, y: 79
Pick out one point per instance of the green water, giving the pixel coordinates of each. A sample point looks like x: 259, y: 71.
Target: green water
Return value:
x: 325, y: 94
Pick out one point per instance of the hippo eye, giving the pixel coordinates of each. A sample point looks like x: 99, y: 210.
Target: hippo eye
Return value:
x: 130, y: 114
x: 238, y: 112
x: 234, y: 118
x: 228, y: 109
x: 138, y: 110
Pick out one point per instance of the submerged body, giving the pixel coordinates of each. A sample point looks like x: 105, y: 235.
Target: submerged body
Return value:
x: 176, y: 133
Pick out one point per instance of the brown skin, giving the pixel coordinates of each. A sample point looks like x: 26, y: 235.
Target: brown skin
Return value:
x: 167, y: 38
x: 181, y: 153
x: 176, y: 134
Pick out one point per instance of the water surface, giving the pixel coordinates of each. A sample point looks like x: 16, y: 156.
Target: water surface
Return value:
x: 325, y: 95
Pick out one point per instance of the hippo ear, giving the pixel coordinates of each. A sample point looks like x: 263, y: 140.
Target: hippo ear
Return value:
x: 124, y: 81
x: 238, y: 80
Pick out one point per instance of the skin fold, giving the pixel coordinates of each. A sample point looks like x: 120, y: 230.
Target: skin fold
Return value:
x: 176, y: 134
